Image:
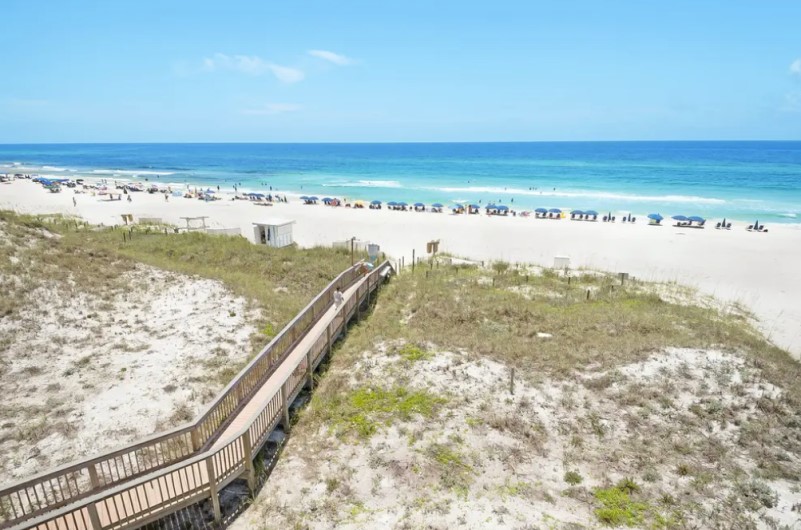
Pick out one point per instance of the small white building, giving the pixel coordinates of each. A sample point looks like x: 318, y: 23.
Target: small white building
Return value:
x: 273, y: 232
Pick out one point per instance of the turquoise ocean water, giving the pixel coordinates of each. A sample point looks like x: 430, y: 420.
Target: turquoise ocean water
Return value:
x: 738, y: 180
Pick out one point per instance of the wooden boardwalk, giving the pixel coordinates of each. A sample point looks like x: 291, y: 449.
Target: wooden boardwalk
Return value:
x: 191, y: 477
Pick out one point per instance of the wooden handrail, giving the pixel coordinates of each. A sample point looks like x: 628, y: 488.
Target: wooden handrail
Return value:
x: 201, y: 476
x: 71, y: 482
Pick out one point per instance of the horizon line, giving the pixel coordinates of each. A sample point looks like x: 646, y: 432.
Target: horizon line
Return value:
x: 444, y: 142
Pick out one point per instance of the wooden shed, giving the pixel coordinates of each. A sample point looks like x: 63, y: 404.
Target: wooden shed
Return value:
x: 273, y: 232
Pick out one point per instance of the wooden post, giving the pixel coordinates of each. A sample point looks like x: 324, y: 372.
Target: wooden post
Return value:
x: 195, y: 439
x: 93, y: 517
x: 413, y: 260
x: 512, y: 382
x: 351, y: 250
x: 285, y: 405
x: 250, y: 469
x: 328, y: 335
x: 309, y: 370
x: 215, y: 496
x: 93, y: 476
x: 588, y: 294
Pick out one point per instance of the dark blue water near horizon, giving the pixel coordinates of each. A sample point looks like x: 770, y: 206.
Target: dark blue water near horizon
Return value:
x: 740, y: 180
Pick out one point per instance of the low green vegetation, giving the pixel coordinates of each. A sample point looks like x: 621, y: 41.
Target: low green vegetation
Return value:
x: 412, y: 353
x: 363, y: 411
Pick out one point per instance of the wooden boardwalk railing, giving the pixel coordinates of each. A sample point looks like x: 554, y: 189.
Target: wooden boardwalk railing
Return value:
x: 163, y: 473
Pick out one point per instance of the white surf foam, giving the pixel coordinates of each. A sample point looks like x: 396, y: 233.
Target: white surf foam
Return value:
x: 136, y: 172
x: 365, y: 184
x: 583, y: 194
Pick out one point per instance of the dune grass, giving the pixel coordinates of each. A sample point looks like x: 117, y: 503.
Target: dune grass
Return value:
x: 280, y: 282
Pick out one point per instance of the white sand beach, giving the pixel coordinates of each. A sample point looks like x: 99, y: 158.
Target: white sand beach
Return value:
x: 758, y: 270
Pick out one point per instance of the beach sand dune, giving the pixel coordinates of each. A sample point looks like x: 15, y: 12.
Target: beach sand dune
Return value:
x: 756, y: 270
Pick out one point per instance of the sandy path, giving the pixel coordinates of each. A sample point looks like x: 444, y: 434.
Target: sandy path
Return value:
x: 758, y: 270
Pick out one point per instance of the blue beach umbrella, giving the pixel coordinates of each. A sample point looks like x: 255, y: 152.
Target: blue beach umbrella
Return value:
x: 541, y: 210
x: 554, y: 210
x: 392, y: 203
x: 590, y: 212
x: 402, y: 204
x: 476, y: 206
x: 679, y: 218
x: 419, y: 205
x: 655, y: 216
x: 436, y: 205
x: 696, y: 219
x: 576, y: 212
x: 304, y: 198
x: 313, y: 198
x: 375, y: 202
x: 502, y: 207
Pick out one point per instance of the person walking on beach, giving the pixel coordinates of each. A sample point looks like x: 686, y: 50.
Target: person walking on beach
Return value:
x: 338, y: 298
x: 74, y: 202
x: 129, y: 199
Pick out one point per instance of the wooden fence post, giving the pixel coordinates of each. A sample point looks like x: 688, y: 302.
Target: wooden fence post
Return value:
x: 250, y: 469
x: 215, y: 496
x: 93, y: 476
x: 309, y: 370
x: 285, y: 405
x: 328, y: 336
x: 93, y: 516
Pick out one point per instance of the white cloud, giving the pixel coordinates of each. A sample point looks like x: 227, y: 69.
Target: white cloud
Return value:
x: 272, y: 108
x: 251, y: 65
x: 331, y: 57
x: 795, y: 67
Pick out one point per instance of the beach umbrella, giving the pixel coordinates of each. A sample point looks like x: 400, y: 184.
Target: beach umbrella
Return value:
x: 436, y: 205
x: 402, y: 204
x: 590, y: 212
x: 313, y: 198
x: 476, y: 206
x: 679, y: 218
x: 655, y: 216
x: 696, y: 219
x: 327, y: 199
x: 419, y: 205
x: 554, y: 210
x: 541, y: 210
x: 576, y: 212
x: 304, y: 198
x: 375, y: 202
x: 502, y: 207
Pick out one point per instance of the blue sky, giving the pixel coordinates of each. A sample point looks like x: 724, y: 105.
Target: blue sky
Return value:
x: 267, y: 71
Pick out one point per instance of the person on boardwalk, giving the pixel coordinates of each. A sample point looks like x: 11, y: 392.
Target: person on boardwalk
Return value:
x: 338, y: 298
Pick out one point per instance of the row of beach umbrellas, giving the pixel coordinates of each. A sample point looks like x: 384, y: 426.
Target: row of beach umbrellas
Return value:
x: 502, y: 207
